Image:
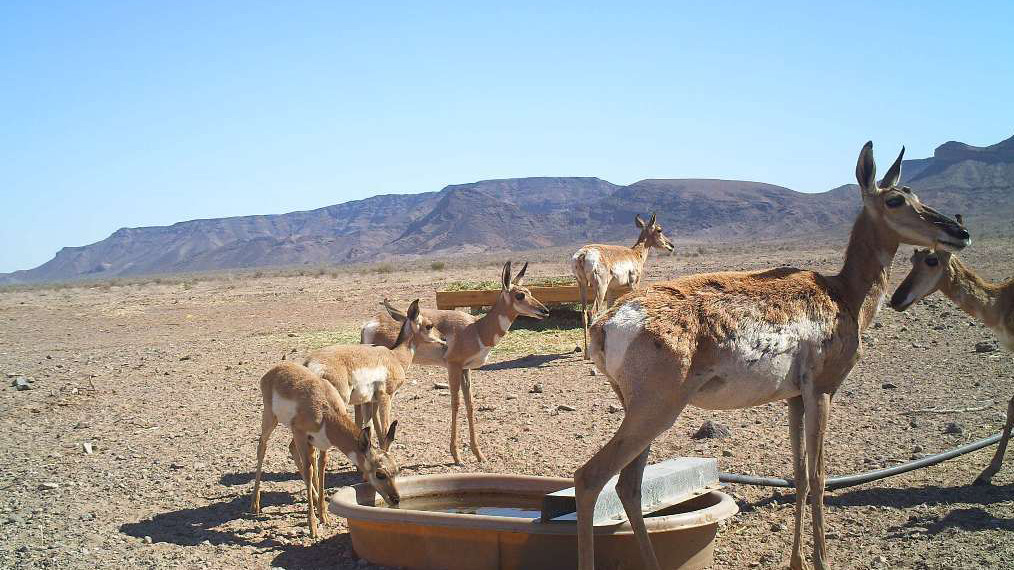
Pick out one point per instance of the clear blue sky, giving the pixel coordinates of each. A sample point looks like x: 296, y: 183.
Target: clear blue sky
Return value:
x: 118, y: 114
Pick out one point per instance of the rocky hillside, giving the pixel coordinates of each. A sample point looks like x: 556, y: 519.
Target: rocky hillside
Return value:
x: 527, y: 213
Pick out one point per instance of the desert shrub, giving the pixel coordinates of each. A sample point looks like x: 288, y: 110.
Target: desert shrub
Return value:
x: 385, y: 268
x: 438, y: 266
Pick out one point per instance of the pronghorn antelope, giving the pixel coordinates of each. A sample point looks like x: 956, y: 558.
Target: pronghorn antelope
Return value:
x: 991, y: 303
x: 738, y: 339
x: 607, y: 270
x: 316, y: 414
x: 469, y: 341
x: 367, y: 377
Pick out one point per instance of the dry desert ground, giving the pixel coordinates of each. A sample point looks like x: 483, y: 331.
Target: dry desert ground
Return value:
x: 160, y: 378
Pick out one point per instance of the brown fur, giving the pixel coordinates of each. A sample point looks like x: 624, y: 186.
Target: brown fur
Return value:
x: 469, y: 341
x: 318, y: 405
x: 730, y: 340
x: 991, y: 303
x: 594, y: 265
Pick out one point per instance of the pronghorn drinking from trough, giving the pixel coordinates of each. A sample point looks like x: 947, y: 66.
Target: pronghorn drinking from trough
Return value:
x: 738, y: 339
x: 315, y: 413
x: 991, y: 303
x: 469, y: 341
x: 367, y: 377
x: 607, y: 270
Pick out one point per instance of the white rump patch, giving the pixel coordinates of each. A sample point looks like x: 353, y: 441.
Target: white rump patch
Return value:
x: 370, y: 331
x: 365, y: 383
x: 283, y: 408
x: 620, y: 331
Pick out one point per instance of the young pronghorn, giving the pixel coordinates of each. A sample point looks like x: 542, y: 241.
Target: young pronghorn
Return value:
x: 367, y: 377
x: 607, y: 270
x: 316, y: 414
x: 738, y: 339
x: 469, y: 341
x: 991, y: 303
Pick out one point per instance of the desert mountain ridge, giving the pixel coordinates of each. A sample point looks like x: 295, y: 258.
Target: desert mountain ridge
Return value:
x: 530, y: 213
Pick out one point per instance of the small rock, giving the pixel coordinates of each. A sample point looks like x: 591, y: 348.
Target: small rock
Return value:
x: 613, y: 408
x: 577, y: 349
x: 292, y: 335
x: 487, y: 408
x: 917, y: 449
x: 87, y: 446
x: 512, y: 396
x: 565, y: 408
x: 48, y: 486
x: 87, y: 517
x: 21, y: 383
x: 712, y: 430
x: 888, y: 386
x: 877, y: 325
x: 440, y: 386
x: 593, y: 372
x: 147, y: 540
x: 200, y: 466
x: 777, y: 526
x: 536, y: 389
x: 953, y: 428
x: 985, y: 346
x: 913, y: 423
x: 727, y: 453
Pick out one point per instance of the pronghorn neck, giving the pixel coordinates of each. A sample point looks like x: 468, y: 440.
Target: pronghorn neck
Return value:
x: 867, y: 268
x: 494, y: 325
x: 404, y: 347
x: 640, y: 249
x: 973, y: 294
x: 342, y: 433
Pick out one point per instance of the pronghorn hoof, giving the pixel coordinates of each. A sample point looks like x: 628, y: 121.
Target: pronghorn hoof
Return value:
x: 982, y: 481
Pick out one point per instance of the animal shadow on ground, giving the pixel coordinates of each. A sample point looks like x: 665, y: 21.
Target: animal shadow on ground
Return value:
x: 967, y: 519
x: 530, y: 361
x: 332, y: 479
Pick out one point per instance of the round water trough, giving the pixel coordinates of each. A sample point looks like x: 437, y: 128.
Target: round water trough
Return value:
x: 494, y: 525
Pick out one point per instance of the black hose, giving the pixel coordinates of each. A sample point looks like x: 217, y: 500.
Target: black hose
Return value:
x: 860, y: 478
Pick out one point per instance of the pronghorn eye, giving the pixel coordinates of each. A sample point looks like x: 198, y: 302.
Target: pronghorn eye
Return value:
x: 895, y: 201
x: 932, y: 261
x: 381, y: 475
x: 429, y: 327
x: 520, y: 296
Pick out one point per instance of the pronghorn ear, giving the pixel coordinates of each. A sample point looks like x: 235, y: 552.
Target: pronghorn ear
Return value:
x: 364, y: 440
x: 638, y: 221
x: 413, y: 311
x: 651, y: 222
x: 396, y: 314
x: 866, y: 170
x: 505, y: 278
x: 893, y: 175
x: 521, y: 275
x: 390, y: 435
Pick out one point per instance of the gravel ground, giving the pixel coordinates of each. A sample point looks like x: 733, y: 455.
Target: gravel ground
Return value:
x: 160, y: 380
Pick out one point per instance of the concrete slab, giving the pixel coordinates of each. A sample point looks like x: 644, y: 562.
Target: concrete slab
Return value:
x: 663, y: 485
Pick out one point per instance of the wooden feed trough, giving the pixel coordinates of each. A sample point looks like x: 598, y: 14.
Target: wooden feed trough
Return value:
x: 487, y: 297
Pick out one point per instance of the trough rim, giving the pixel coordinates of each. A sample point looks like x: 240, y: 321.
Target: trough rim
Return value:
x: 345, y: 503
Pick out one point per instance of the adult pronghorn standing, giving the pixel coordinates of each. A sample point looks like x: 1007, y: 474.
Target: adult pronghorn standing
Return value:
x: 991, y: 303
x: 738, y: 339
x: 603, y: 270
x: 469, y: 341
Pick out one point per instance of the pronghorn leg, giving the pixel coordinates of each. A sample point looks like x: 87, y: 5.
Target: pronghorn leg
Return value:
x: 641, y: 424
x: 817, y: 409
x: 801, y: 478
x: 321, y: 496
x: 360, y: 420
x: 382, y: 419
x: 582, y: 288
x: 987, y: 474
x: 454, y: 383
x: 309, y: 463
x: 628, y: 487
x: 466, y: 389
x: 268, y: 424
